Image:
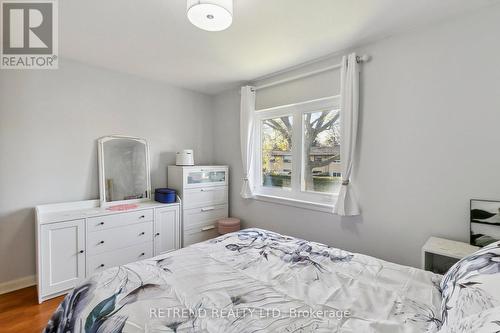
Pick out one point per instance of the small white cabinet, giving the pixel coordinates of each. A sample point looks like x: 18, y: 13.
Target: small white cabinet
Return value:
x: 167, y: 230
x: 63, y: 256
x: 76, y: 240
x: 439, y: 254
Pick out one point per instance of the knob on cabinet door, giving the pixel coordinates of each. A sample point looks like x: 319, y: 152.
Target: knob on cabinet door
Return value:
x: 81, y: 251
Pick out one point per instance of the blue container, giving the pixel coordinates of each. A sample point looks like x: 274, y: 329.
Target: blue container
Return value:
x: 165, y: 195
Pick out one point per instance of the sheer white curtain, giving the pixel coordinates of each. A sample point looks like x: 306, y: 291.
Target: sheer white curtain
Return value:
x: 347, y: 204
x: 247, y: 116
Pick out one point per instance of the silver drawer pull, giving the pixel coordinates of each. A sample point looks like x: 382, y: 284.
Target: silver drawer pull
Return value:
x: 207, y: 209
x: 210, y: 227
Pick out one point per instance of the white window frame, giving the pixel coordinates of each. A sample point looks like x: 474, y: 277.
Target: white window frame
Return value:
x: 296, y: 195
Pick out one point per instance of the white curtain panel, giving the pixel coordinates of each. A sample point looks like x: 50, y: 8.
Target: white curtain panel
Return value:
x: 247, y: 117
x: 347, y: 204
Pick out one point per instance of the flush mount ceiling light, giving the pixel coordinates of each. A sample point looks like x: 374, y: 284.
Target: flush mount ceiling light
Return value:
x: 210, y: 15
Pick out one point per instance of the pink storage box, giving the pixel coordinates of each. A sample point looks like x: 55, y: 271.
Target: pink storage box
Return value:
x: 227, y: 225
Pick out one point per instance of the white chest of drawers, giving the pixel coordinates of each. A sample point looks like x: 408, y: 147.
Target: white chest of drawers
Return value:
x: 75, y: 240
x: 204, y: 193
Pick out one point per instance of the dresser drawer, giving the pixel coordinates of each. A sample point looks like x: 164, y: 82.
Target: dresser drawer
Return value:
x: 106, y: 260
x: 199, y: 197
x: 118, y: 220
x: 197, y: 176
x: 112, y: 239
x: 200, y: 233
x: 207, y: 214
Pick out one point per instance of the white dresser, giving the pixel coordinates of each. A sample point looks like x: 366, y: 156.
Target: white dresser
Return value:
x: 77, y: 239
x: 204, y: 193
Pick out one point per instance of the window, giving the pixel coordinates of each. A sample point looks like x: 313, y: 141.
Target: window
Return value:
x: 276, y: 148
x: 322, y: 152
x: 298, y: 151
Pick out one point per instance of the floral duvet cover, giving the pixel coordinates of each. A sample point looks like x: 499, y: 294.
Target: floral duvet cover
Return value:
x: 254, y: 281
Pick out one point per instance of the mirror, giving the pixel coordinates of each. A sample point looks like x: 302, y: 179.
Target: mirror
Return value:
x: 123, y: 170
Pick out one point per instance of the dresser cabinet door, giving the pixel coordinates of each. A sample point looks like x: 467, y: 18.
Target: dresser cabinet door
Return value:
x: 167, y: 230
x: 205, y: 176
x: 62, y: 255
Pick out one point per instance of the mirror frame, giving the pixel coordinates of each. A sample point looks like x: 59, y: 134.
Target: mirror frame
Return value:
x: 102, y: 185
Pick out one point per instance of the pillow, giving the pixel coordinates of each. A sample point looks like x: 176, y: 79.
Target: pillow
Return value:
x: 482, y: 322
x: 472, y: 285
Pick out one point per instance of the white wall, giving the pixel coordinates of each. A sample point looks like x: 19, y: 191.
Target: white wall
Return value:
x: 429, y: 142
x: 49, y: 123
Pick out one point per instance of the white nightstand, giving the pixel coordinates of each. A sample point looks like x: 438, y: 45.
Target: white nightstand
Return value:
x: 439, y: 254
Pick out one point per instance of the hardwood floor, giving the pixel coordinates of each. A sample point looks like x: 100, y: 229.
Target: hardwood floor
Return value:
x: 20, y: 311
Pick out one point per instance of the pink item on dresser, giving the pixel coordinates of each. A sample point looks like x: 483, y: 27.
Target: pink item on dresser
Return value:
x: 227, y: 225
x: 122, y: 207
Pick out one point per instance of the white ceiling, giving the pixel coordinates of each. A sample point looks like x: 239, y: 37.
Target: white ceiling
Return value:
x: 154, y: 39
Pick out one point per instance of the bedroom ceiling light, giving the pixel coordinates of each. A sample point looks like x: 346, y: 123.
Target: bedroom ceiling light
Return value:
x: 210, y: 15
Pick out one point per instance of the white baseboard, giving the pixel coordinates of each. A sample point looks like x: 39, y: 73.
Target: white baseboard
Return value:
x: 16, y: 284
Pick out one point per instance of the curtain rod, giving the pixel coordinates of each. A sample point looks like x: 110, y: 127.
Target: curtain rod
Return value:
x: 359, y: 59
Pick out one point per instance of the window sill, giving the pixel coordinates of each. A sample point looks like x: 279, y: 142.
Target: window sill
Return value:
x: 321, y: 207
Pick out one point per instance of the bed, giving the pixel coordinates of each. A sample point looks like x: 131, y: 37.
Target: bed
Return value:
x: 255, y: 281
